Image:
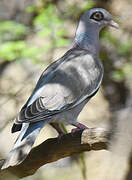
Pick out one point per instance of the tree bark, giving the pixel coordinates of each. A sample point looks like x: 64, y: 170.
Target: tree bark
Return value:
x: 56, y: 148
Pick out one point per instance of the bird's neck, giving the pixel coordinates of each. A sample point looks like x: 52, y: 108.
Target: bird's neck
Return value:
x: 87, y: 37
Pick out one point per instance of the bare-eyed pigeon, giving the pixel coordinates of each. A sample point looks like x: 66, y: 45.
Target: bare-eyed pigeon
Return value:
x: 64, y: 87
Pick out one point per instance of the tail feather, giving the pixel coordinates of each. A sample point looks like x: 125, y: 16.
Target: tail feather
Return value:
x: 23, y: 144
x: 16, y: 127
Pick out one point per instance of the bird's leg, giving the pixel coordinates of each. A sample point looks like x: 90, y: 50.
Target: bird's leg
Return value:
x: 79, y: 126
x: 58, y: 129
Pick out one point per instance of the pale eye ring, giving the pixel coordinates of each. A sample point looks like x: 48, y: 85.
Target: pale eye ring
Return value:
x: 97, y: 16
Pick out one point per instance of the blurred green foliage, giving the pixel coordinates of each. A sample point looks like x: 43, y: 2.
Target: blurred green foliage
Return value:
x: 10, y: 30
x: 49, y: 24
x: 123, y: 49
x: 11, y: 46
x: 109, y: 38
x: 120, y: 74
x: 11, y: 50
x: 46, y: 24
x: 88, y: 5
x: 76, y: 9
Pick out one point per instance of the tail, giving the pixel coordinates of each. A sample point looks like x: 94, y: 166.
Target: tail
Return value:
x: 23, y: 144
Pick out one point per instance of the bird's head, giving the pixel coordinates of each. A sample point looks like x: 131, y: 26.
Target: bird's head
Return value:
x: 98, y: 17
x: 90, y: 24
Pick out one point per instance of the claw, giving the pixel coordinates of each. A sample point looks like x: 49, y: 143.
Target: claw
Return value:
x: 79, y: 127
x: 75, y: 130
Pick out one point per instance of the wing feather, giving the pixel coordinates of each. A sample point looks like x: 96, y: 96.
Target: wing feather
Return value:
x: 69, y: 82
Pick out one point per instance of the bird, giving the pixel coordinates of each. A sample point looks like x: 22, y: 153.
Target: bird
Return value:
x: 64, y: 87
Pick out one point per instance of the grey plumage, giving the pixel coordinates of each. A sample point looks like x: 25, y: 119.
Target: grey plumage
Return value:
x: 64, y: 87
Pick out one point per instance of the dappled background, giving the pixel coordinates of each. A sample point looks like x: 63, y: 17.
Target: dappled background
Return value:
x: 35, y: 33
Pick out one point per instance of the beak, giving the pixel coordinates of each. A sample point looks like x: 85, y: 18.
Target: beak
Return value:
x: 113, y: 24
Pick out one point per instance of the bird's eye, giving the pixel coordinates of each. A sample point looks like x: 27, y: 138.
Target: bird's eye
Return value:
x: 97, y: 16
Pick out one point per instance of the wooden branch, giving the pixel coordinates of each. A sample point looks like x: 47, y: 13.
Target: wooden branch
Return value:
x: 54, y: 149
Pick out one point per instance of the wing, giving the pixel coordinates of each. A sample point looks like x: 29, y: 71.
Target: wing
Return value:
x: 63, y: 85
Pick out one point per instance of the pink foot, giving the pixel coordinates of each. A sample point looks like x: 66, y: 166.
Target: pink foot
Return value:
x: 79, y: 126
x: 75, y: 130
x: 58, y: 129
